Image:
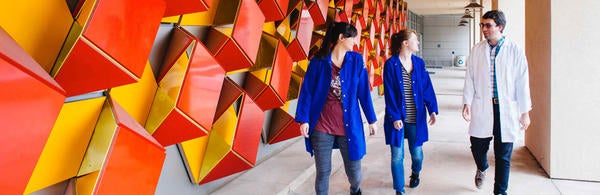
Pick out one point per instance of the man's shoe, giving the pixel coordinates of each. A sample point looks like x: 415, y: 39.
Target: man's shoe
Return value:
x: 359, y: 192
x: 479, y: 177
x: 399, y: 193
x: 414, y: 180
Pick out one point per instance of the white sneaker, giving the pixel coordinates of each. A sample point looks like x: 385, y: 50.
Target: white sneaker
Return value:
x: 479, y: 178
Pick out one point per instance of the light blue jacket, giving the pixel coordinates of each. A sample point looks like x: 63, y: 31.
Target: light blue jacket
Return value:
x: 355, y: 88
x: 395, y: 107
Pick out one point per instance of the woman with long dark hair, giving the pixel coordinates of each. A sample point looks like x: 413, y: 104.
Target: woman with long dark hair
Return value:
x: 409, y: 98
x: 328, y: 106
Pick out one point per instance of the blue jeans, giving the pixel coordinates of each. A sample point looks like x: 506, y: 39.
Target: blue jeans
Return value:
x: 322, y: 144
x: 416, y: 155
x: 502, y: 154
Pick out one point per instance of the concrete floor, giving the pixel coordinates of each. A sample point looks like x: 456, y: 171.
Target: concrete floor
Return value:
x: 448, y: 166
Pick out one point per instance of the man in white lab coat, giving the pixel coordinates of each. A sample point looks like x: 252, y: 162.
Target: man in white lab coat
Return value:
x: 496, y: 98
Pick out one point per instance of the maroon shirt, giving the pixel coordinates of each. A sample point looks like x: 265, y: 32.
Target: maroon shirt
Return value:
x: 332, y: 118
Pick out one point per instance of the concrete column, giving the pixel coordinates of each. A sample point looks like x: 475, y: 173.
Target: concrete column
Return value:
x: 564, y: 69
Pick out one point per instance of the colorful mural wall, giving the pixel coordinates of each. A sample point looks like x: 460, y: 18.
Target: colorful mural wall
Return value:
x: 82, y: 104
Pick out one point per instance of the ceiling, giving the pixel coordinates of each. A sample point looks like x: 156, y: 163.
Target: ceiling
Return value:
x: 440, y: 7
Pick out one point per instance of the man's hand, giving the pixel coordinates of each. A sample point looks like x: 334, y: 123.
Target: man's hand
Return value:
x: 432, y: 118
x: 304, y: 129
x: 466, y: 113
x: 372, y: 128
x: 398, y: 124
x: 524, y: 120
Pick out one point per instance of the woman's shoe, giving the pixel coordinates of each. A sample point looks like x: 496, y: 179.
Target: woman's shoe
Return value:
x: 414, y: 180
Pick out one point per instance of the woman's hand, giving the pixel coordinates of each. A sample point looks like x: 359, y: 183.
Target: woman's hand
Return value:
x: 432, y: 118
x: 373, y: 128
x: 398, y: 124
x: 304, y: 129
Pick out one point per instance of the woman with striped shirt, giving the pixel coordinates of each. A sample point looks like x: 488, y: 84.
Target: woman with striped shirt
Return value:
x: 409, y: 98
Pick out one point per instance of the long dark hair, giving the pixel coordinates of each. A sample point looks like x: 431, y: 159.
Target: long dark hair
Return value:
x: 398, y: 38
x: 332, y: 36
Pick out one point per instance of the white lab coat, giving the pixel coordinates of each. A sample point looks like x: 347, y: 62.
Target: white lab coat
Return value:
x: 512, y: 77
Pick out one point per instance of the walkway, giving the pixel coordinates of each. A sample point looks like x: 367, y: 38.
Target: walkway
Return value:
x: 448, y: 166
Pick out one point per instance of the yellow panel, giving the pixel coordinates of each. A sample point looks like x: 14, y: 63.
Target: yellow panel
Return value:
x: 71, y: 39
x: 137, y: 98
x: 161, y: 107
x: 87, y: 183
x: 66, y: 144
x: 261, y: 74
x: 270, y: 28
x: 226, y: 125
x: 171, y: 19
x: 40, y: 27
x: 172, y: 81
x: 220, y: 140
x: 101, y: 141
x: 194, y: 152
x: 85, y: 12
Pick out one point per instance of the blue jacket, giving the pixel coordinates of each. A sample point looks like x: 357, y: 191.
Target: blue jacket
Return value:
x: 355, y: 88
x: 395, y: 107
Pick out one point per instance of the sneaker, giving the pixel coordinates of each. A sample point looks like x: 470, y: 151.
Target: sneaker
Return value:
x: 399, y: 193
x: 359, y: 192
x: 479, y: 177
x: 414, y: 180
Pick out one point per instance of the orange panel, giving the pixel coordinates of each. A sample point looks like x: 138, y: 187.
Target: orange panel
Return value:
x: 28, y: 93
x: 134, y: 156
x: 180, y: 7
x: 125, y: 30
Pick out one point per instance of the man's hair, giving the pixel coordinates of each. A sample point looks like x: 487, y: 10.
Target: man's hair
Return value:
x: 497, y: 16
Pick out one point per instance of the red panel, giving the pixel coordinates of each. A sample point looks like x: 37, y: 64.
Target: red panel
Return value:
x: 300, y: 46
x: 249, y: 127
x: 230, y: 164
x: 134, y: 157
x: 273, y: 10
x: 180, y: 7
x: 185, y: 130
x: 180, y: 41
x: 282, y: 70
x: 229, y: 94
x: 201, y: 88
x: 248, y: 28
x: 86, y: 70
x: 283, y: 127
x: 27, y: 95
x: 125, y: 30
x: 318, y: 11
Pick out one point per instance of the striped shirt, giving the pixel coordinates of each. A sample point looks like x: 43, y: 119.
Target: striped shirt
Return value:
x: 411, y: 110
x: 493, y: 53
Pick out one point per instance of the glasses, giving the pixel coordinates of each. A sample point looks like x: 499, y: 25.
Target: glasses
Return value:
x: 487, y: 25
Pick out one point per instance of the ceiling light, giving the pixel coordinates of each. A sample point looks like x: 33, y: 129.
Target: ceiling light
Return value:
x: 463, y: 21
x: 462, y: 24
x: 467, y: 14
x: 473, y: 5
